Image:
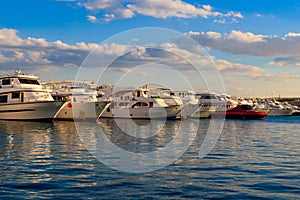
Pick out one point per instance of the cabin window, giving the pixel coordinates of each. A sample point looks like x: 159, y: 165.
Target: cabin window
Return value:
x: 140, y: 104
x: 29, y: 81
x: 247, y: 107
x: 3, y: 99
x: 123, y: 104
x: 100, y: 95
x: 6, y: 82
x: 15, y: 95
x: 138, y: 94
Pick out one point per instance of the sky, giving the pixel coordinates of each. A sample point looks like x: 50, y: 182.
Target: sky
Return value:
x: 249, y: 48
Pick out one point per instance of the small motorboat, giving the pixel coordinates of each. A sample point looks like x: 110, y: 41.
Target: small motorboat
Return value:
x: 242, y: 112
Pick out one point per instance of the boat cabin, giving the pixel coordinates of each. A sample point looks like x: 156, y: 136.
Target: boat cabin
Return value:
x: 19, y: 82
x: 19, y: 88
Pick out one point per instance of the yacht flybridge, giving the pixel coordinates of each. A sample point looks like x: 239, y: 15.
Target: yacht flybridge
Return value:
x: 22, y: 97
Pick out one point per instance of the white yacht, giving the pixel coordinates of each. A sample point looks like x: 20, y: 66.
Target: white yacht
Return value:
x: 136, y: 104
x: 230, y: 102
x: 22, y: 97
x: 169, y: 98
x: 275, y: 108
x: 192, y: 108
x: 220, y: 102
x: 81, y: 100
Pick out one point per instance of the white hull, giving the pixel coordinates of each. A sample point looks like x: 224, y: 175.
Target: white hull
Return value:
x: 81, y: 110
x: 30, y: 111
x: 280, y: 112
x: 196, y: 111
x: 143, y: 113
x: 204, y: 114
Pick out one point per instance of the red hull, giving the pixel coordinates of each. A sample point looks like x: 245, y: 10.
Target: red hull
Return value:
x: 242, y: 112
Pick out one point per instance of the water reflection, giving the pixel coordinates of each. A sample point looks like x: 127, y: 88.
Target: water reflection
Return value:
x: 115, y: 142
x: 32, y: 149
x: 252, y: 159
x: 125, y: 135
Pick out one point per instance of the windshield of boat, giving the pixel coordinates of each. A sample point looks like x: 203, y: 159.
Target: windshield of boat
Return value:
x: 207, y: 97
x: 29, y: 81
x: 247, y: 107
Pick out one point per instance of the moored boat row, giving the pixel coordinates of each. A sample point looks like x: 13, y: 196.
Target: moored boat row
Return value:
x: 23, y: 97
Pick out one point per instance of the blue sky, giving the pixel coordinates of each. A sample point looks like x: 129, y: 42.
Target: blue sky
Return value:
x: 254, y: 45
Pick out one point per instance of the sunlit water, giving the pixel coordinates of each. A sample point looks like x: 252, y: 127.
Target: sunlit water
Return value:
x: 252, y: 159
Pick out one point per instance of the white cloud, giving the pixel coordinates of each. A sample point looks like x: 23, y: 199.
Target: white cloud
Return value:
x: 245, y: 37
x: 92, y: 18
x: 112, y: 9
x: 126, y: 13
x: 38, y: 53
x: 35, y: 42
x: 220, y: 21
x: 235, y: 71
x: 115, y: 9
x: 207, y: 7
x: 286, y: 61
x: 9, y: 36
x: 213, y: 35
x: 232, y: 68
x: 247, y: 43
x: 258, y: 15
x: 168, y: 8
x: 33, y: 53
x: 111, y: 49
x: 292, y: 35
x: 272, y: 77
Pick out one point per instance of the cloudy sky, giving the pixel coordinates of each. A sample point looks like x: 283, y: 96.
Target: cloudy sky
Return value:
x: 255, y: 47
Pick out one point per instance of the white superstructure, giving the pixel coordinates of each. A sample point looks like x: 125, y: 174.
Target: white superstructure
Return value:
x: 22, y: 97
x: 275, y: 108
x: 192, y: 107
x: 222, y: 102
x: 136, y: 104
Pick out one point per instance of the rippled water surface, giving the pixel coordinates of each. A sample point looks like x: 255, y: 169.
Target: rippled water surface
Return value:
x: 252, y: 159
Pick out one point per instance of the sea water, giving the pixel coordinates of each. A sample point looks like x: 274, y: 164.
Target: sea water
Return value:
x: 255, y: 159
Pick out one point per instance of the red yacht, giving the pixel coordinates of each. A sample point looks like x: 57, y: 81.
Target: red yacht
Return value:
x: 242, y: 112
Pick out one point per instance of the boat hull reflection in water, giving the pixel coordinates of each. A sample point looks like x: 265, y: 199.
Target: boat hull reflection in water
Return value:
x: 257, y: 159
